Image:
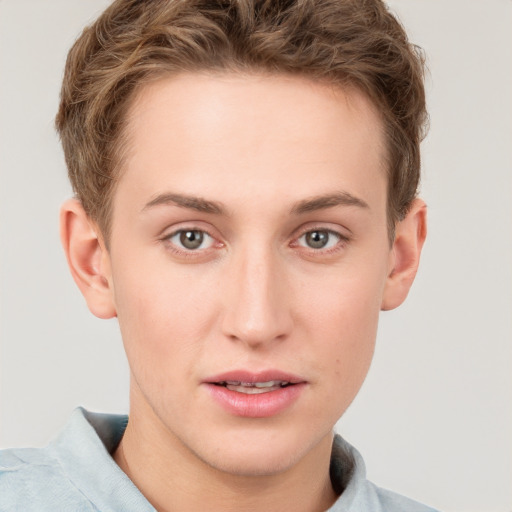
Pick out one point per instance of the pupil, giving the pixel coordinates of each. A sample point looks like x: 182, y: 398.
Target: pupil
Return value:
x: 191, y: 239
x: 317, y: 239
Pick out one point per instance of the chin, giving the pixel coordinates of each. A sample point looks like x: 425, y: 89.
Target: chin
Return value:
x: 253, y: 463
x: 267, y: 454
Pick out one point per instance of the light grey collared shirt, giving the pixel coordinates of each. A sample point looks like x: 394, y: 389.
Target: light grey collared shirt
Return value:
x: 76, y: 472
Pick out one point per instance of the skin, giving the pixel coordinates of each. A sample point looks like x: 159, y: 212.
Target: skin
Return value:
x: 254, y: 163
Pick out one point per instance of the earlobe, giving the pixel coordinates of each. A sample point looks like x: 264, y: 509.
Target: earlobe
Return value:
x: 409, y: 238
x: 88, y: 258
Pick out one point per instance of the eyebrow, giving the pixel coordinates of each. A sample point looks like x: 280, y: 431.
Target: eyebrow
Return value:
x: 328, y: 201
x: 305, y: 206
x: 194, y: 203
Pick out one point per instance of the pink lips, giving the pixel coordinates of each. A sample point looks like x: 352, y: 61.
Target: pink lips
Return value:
x: 237, y: 392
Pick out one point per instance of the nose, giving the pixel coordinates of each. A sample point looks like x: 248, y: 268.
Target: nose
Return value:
x: 257, y: 299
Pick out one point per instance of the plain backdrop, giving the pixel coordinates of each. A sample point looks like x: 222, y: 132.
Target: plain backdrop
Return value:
x: 434, y: 418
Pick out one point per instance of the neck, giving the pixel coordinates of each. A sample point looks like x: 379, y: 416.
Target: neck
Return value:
x: 171, y: 477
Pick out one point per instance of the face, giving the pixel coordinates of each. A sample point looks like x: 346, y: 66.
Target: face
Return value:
x: 247, y: 262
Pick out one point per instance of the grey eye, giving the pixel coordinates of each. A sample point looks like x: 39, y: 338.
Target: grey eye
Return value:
x: 319, y: 239
x: 192, y: 239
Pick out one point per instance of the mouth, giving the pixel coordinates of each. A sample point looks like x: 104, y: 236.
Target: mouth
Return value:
x: 253, y: 388
x: 259, y: 394
x: 255, y: 394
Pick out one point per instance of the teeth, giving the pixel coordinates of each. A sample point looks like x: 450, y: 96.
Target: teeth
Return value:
x: 268, y: 384
x: 253, y: 388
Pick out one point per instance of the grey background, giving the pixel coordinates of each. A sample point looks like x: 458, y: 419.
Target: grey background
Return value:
x: 434, y: 418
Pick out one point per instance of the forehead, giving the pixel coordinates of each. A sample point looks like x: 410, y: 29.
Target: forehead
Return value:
x: 196, y: 131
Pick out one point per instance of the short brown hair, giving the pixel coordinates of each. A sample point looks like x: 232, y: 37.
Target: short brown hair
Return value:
x: 347, y: 42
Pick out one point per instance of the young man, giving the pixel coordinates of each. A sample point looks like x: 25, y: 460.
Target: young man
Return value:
x: 246, y: 177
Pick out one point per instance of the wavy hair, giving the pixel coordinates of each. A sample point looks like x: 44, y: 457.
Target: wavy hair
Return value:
x: 356, y: 43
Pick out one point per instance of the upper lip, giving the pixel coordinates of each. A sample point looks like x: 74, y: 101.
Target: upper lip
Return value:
x: 253, y: 377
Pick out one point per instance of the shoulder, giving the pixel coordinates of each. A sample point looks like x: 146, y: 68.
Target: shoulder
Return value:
x: 358, y: 493
x: 393, y: 502
x: 31, y: 477
x: 74, y: 472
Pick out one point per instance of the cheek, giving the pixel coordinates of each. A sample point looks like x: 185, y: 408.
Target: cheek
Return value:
x: 164, y: 315
x: 346, y: 302
x: 343, y: 317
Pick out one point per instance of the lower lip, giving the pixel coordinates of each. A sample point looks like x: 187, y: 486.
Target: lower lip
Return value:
x: 261, y: 405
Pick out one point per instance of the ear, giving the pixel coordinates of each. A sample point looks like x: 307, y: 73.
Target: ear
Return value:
x: 88, y: 258
x: 409, y: 238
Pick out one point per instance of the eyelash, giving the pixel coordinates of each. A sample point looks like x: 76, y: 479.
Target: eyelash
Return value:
x: 341, y: 242
x: 184, y: 252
